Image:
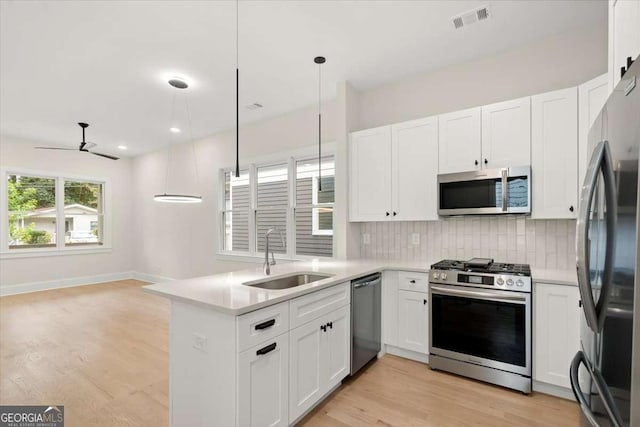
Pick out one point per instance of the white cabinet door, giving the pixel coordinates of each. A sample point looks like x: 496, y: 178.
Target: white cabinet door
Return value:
x: 414, y: 170
x: 624, y: 35
x: 305, y: 369
x: 263, y: 384
x: 459, y: 141
x: 370, y: 175
x: 413, y: 321
x: 506, y: 134
x: 557, y: 332
x: 591, y: 98
x: 338, y: 351
x: 390, y: 307
x: 554, y: 154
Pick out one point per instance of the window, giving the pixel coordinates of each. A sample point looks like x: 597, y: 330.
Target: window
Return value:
x: 31, y: 212
x: 51, y: 212
x: 283, y: 196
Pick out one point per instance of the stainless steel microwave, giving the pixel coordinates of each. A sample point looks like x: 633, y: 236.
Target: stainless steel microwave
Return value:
x: 485, y: 192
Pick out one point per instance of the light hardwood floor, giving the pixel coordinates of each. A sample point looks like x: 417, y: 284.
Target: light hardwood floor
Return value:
x: 102, y: 351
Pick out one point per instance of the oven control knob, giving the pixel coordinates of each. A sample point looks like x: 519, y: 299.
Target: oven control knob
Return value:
x: 443, y: 276
x: 519, y: 283
x: 509, y: 282
x: 500, y: 281
x: 436, y: 276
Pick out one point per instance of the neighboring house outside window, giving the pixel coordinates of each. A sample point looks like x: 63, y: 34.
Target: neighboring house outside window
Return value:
x: 281, y: 195
x: 51, y: 212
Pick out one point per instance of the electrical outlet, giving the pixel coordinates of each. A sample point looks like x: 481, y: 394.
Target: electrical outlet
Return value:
x: 200, y: 342
x: 366, y: 239
x: 415, y: 239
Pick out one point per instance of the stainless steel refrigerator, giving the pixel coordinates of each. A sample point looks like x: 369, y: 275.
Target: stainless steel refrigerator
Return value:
x: 605, y: 374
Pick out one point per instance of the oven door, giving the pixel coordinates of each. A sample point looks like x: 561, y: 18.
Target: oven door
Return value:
x: 487, y: 191
x: 484, y: 327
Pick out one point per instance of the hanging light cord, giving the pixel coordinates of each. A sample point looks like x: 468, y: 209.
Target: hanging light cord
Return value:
x: 319, y: 127
x: 237, y: 97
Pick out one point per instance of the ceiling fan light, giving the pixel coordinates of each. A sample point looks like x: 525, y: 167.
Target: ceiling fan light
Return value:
x: 177, y: 198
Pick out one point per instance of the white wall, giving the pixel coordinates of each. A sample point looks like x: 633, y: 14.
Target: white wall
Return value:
x: 15, y: 153
x: 181, y: 240
x: 557, y: 62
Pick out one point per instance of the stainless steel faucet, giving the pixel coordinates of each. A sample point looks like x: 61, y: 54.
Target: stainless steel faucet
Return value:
x: 267, y: 264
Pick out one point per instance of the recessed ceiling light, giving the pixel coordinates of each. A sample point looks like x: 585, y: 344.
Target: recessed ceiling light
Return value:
x: 174, y: 130
x: 122, y: 147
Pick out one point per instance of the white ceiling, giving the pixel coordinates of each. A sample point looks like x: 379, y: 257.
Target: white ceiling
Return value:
x: 105, y: 62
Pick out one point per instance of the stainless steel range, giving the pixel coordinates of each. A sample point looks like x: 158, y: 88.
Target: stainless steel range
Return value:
x: 480, y: 321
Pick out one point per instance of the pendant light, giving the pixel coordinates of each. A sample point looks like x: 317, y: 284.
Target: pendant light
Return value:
x: 179, y: 84
x: 237, y: 98
x: 319, y: 60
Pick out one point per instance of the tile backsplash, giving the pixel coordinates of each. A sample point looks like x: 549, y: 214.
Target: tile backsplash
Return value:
x: 540, y: 243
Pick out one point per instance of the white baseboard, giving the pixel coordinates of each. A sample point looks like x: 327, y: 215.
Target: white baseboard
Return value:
x: 407, y: 354
x: 23, y: 288
x: 553, y: 390
x: 150, y: 277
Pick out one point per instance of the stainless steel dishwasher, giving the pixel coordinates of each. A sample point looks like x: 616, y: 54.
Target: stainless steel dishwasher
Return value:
x: 366, y: 295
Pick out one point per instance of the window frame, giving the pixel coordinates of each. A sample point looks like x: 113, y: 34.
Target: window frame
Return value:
x: 60, y: 248
x: 252, y: 166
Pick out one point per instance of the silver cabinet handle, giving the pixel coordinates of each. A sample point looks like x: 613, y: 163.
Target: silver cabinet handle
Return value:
x: 601, y: 160
x: 489, y: 296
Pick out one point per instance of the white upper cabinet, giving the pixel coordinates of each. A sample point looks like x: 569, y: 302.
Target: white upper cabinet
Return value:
x: 414, y: 169
x: 591, y: 98
x: 624, y: 36
x: 554, y: 154
x: 459, y: 141
x: 557, y: 332
x: 394, y: 172
x: 506, y: 134
x: 370, y: 171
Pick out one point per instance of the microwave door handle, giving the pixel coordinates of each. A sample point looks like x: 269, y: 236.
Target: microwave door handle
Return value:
x: 504, y: 189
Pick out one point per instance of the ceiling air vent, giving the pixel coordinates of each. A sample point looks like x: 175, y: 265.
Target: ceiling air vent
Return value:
x: 471, y: 17
x: 254, y: 106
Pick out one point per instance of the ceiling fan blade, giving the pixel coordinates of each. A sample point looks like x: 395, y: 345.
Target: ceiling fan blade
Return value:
x: 56, y: 148
x: 104, y: 155
x: 89, y: 145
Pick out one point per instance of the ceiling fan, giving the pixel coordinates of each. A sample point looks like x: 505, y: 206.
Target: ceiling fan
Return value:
x: 84, y: 145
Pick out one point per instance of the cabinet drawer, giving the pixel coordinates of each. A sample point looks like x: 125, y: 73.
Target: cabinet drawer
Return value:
x: 408, y: 281
x: 312, y: 306
x: 261, y: 325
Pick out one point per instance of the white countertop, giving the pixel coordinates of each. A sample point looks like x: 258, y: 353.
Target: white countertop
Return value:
x: 226, y: 292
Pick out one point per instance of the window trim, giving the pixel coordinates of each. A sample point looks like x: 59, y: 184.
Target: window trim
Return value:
x: 289, y: 158
x: 60, y: 248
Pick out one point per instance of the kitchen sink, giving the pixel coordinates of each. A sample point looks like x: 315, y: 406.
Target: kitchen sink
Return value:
x: 290, y: 281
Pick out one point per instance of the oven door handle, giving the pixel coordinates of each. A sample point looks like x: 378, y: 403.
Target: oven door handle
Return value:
x: 488, y: 296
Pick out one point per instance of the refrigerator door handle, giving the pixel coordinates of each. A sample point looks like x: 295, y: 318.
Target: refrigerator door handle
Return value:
x: 603, y: 391
x: 601, y: 160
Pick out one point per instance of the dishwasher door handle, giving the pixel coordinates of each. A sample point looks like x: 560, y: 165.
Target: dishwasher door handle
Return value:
x: 363, y: 284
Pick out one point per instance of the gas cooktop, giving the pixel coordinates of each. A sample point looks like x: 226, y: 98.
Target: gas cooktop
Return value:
x: 483, y: 265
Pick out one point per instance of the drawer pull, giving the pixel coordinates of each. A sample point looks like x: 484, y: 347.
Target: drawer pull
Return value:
x: 267, y: 349
x: 412, y: 281
x: 265, y: 325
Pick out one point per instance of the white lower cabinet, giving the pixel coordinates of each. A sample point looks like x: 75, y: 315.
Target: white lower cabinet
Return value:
x: 413, y: 321
x: 557, y: 332
x: 263, y: 384
x: 320, y: 359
